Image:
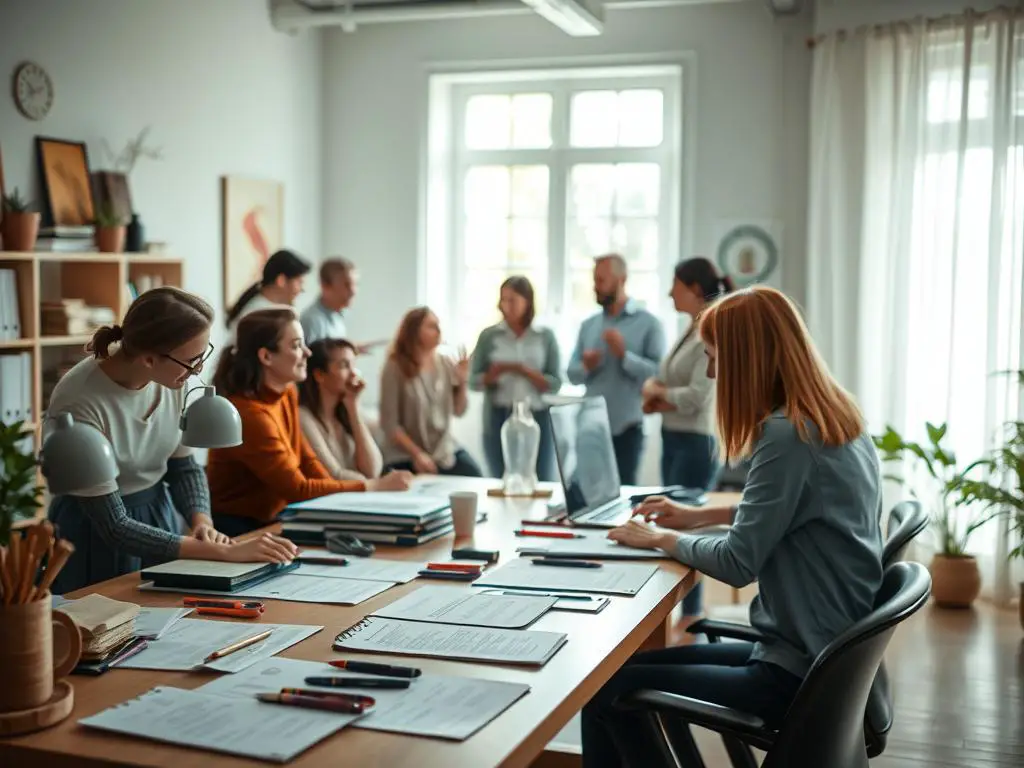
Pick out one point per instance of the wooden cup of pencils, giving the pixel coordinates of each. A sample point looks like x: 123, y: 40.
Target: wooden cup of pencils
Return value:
x: 37, y: 644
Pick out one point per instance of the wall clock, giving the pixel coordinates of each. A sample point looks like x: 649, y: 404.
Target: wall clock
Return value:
x: 33, y: 91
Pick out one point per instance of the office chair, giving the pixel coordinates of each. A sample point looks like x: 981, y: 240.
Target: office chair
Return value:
x: 825, y: 723
x: 906, y: 520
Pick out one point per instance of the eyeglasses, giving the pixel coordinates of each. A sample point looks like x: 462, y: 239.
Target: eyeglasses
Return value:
x: 193, y: 368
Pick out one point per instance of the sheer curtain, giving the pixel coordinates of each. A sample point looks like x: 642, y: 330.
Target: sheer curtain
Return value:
x: 918, y: 177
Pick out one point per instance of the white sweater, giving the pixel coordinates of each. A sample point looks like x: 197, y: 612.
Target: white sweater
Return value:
x: 685, y: 374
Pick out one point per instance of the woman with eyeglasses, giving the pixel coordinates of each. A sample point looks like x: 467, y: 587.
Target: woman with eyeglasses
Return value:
x: 132, y: 388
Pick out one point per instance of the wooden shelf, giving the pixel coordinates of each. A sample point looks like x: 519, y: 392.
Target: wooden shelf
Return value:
x: 64, y: 341
x: 17, y: 344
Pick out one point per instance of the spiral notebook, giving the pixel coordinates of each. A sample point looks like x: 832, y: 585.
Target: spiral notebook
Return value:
x: 445, y: 641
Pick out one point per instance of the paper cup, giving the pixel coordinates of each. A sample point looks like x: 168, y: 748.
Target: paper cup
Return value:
x: 464, y: 505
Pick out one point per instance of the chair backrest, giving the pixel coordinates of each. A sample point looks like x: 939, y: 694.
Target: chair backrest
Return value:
x: 825, y: 724
x: 906, y: 520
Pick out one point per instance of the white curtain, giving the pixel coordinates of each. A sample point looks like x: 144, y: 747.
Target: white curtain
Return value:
x: 916, y: 256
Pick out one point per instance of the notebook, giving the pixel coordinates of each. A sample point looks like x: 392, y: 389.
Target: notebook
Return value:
x: 212, y: 574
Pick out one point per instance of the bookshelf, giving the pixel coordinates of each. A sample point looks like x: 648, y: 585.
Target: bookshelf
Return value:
x: 100, y: 279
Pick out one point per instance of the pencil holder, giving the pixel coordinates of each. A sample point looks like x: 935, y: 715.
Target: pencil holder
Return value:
x: 38, y: 646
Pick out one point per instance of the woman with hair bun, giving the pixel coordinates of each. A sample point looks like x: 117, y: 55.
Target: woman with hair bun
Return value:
x: 132, y: 388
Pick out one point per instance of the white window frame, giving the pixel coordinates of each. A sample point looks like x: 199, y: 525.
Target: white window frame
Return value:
x: 448, y: 160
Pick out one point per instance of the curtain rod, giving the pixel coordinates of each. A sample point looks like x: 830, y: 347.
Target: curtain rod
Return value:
x: 969, y: 15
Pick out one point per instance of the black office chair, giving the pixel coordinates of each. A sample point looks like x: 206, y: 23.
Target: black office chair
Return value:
x: 906, y: 520
x: 824, y: 725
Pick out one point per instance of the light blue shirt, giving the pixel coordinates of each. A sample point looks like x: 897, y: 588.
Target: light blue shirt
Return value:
x: 620, y: 381
x: 319, y: 322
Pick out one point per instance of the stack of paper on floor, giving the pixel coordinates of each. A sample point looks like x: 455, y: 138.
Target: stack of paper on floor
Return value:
x: 405, y: 519
x: 105, y: 624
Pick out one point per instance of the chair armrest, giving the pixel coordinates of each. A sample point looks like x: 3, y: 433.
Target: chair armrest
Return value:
x: 725, y: 720
x: 716, y: 629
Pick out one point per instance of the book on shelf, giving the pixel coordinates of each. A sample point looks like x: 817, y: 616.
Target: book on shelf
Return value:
x: 69, y: 232
x: 65, y: 245
x: 16, y: 387
x: 73, y: 317
x: 10, y: 308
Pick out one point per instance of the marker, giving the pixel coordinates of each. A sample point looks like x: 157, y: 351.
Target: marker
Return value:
x: 538, y: 594
x: 566, y: 563
x: 550, y: 534
x: 358, y: 682
x: 323, y: 703
x: 229, y: 649
x: 370, y: 668
x: 238, y: 605
x: 460, y: 567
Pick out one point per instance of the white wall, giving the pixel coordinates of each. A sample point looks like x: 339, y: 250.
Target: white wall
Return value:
x: 752, y: 83
x: 223, y: 92
x: 847, y: 14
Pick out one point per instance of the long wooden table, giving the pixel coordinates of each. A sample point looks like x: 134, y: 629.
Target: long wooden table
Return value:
x: 597, y: 646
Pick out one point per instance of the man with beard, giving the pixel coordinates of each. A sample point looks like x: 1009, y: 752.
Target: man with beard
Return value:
x: 617, y: 349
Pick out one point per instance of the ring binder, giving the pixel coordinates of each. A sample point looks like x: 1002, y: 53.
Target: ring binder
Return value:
x: 352, y: 631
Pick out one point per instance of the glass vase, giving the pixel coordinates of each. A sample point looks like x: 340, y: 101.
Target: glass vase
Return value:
x: 520, y: 443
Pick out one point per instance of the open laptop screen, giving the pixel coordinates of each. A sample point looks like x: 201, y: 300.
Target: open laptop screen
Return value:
x: 586, y: 457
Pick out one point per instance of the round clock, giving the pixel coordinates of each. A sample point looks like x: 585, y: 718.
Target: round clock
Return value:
x: 33, y: 91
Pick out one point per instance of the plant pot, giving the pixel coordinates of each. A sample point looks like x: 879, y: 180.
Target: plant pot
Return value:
x: 19, y: 231
x: 110, y: 239
x: 956, y: 581
x: 37, y: 647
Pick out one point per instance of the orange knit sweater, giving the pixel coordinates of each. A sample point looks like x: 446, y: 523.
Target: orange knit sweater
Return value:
x: 273, y: 466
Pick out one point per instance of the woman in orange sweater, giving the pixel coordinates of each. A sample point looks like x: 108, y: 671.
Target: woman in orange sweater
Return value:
x: 251, y: 483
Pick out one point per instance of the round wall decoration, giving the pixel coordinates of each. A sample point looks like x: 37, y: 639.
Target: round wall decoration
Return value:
x: 748, y: 254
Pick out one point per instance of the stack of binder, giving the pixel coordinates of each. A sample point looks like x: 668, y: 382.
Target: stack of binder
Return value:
x: 212, y: 575
x: 402, y: 519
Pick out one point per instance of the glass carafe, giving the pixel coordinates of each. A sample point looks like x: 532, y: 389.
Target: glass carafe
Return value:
x: 520, y: 442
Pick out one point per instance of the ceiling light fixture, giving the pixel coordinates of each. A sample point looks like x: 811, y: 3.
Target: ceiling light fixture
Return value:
x: 574, y: 17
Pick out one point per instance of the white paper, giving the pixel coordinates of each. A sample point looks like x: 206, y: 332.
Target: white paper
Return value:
x: 575, y: 602
x: 595, y: 545
x: 366, y: 569
x: 244, y: 727
x: 185, y: 646
x: 383, y: 503
x: 152, y: 623
x: 299, y: 589
x: 445, y: 706
x: 211, y: 568
x: 445, y: 605
x: 609, y: 579
x: 446, y: 641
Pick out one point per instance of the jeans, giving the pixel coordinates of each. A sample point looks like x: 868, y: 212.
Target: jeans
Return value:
x: 494, y: 418
x: 690, y: 460
x: 629, y: 445
x: 720, y: 674
x: 464, y: 466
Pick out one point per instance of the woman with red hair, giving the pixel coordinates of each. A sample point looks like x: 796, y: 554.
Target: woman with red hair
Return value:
x: 807, y: 528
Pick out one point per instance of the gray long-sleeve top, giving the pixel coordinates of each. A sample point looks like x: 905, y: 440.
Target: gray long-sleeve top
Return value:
x: 807, y: 530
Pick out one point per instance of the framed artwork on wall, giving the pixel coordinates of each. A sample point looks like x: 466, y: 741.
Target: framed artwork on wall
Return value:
x: 67, y: 192
x: 252, y: 227
x: 749, y: 251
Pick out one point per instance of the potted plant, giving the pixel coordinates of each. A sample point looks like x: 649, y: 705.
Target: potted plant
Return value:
x: 19, y: 493
x: 956, y: 580
x: 19, y: 226
x: 110, y: 230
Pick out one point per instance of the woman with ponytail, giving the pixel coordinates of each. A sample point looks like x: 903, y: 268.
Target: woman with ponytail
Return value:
x: 283, y: 276
x: 685, y: 397
x: 132, y: 388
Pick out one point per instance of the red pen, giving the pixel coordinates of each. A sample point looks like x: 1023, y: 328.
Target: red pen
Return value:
x: 235, y: 605
x: 234, y: 613
x: 550, y: 534
x: 460, y: 567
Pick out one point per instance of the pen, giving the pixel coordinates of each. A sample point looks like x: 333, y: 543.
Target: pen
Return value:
x: 370, y: 668
x: 538, y: 594
x: 460, y: 567
x: 366, y: 701
x: 238, y: 646
x: 322, y: 560
x: 358, y: 682
x: 325, y: 703
x: 549, y: 534
x: 235, y: 613
x: 566, y: 563
x: 246, y: 605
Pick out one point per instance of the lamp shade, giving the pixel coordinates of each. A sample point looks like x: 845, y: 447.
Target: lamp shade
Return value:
x: 211, y: 422
x: 76, y: 457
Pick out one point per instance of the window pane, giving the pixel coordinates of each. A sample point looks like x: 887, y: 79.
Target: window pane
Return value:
x: 587, y: 239
x: 531, y: 120
x: 637, y: 241
x: 530, y: 190
x: 529, y: 242
x: 593, y: 119
x: 478, y: 305
x: 641, y: 121
x: 637, y: 187
x: 487, y: 191
x: 945, y: 95
x: 646, y: 287
x: 488, y: 122
x: 591, y: 190
x: 485, y: 243
x: 581, y: 297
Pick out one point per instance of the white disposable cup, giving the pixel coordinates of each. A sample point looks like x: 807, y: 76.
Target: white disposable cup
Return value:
x: 463, y: 512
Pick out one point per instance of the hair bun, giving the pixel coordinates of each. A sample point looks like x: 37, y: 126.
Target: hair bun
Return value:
x: 116, y: 332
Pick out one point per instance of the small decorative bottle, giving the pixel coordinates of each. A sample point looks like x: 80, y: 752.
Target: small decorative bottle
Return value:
x: 520, y: 443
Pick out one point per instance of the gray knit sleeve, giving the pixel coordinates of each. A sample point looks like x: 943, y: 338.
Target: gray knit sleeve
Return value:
x: 186, y: 482
x: 110, y: 519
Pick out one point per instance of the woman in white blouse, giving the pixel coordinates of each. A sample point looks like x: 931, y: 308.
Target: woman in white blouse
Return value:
x: 329, y: 412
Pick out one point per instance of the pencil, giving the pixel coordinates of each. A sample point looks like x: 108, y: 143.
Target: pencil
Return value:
x: 225, y: 651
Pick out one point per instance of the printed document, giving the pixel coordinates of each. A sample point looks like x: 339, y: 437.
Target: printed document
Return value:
x: 609, y: 579
x: 299, y: 589
x: 475, y: 609
x: 152, y: 623
x: 365, y: 569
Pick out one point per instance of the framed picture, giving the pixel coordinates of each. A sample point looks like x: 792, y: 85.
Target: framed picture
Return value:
x: 67, y: 193
x: 749, y: 251
x: 253, y: 224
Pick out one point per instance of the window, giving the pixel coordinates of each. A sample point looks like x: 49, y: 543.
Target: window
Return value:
x: 538, y: 174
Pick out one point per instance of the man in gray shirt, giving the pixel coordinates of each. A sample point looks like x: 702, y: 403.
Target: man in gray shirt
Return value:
x: 324, y: 318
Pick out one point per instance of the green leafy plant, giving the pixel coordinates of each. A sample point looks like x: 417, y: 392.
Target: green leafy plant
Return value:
x: 106, y: 216
x: 955, y: 519
x: 15, y: 203
x: 135, y: 149
x: 19, y: 495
